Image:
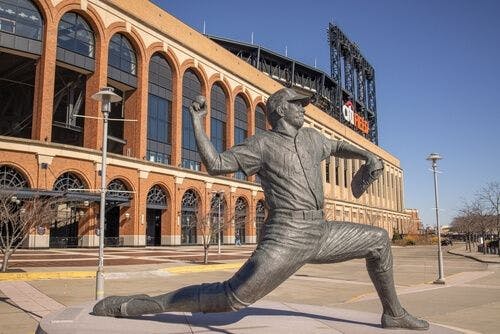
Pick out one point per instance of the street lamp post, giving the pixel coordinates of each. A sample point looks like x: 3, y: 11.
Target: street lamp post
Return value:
x: 218, y: 194
x: 434, y: 157
x: 106, y: 96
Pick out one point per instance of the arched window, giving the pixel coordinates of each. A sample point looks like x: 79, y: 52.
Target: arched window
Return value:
x: 217, y: 214
x: 65, y: 233
x: 157, y: 198
x: 21, y: 34
x: 75, y: 35
x: 240, y: 218
x: 218, y: 118
x: 159, y: 145
x: 122, y: 55
x: 68, y: 181
x: 156, y: 204
x: 75, y: 46
x: 117, y: 188
x: 11, y: 178
x: 260, y: 119
x: 189, y: 217
x: 240, y: 126
x: 191, y: 87
x: 21, y: 18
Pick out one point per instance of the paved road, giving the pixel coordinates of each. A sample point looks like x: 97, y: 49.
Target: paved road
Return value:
x: 469, y: 300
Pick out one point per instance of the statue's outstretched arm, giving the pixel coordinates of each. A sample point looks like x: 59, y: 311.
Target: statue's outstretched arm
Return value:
x: 216, y: 163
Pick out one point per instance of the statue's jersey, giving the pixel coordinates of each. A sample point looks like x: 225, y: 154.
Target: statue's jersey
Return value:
x: 289, y: 168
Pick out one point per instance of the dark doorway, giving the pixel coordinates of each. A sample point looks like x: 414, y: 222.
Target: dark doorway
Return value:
x: 153, y: 228
x: 112, y: 227
x: 64, y: 234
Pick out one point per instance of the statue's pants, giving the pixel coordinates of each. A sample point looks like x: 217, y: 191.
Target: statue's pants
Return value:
x: 291, y: 239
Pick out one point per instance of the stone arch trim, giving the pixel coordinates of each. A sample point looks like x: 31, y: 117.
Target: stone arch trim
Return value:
x: 134, y: 38
x: 90, y: 15
x: 169, y: 55
x: 215, y: 79
x: 200, y: 73
x: 240, y: 91
x: 46, y: 9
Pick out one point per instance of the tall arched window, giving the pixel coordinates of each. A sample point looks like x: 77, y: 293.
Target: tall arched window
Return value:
x: 21, y: 33
x: 240, y: 126
x: 21, y: 18
x: 122, y: 55
x: 10, y: 178
x: 191, y: 87
x: 74, y: 34
x: 240, y: 218
x: 189, y: 217
x: 122, y: 72
x: 218, y: 118
x: 260, y: 119
x: 75, y: 47
x: 159, y: 145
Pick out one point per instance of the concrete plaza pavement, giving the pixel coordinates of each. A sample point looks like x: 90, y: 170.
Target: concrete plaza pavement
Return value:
x: 470, y: 300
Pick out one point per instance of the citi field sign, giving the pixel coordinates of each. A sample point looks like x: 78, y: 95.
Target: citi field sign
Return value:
x: 349, y: 115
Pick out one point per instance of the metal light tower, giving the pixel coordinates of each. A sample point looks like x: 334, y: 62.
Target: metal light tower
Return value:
x: 434, y: 157
x: 106, y: 96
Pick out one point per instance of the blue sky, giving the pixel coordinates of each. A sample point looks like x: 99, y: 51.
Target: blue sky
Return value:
x: 437, y: 69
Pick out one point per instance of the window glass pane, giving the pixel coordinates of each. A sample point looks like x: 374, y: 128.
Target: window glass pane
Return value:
x: 121, y: 54
x: 21, y: 18
x: 74, y: 34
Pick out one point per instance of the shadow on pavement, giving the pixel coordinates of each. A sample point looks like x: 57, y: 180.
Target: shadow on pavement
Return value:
x: 9, y: 302
x: 221, y: 319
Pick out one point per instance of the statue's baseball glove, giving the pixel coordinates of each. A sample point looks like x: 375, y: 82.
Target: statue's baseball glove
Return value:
x: 365, y: 176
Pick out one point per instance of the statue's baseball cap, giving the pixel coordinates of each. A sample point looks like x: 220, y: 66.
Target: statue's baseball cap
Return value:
x: 286, y: 95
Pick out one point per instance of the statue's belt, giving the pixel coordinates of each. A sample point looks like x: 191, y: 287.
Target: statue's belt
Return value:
x: 298, y: 214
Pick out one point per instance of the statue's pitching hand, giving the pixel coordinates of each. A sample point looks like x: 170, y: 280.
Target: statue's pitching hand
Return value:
x: 199, y: 106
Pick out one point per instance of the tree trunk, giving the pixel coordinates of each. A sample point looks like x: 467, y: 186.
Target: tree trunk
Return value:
x: 205, y: 257
x: 484, y: 243
x: 5, y: 261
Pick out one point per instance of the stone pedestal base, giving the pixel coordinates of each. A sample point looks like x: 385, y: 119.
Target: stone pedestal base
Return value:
x: 262, y: 317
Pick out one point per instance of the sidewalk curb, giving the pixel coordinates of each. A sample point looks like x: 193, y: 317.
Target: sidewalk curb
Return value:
x: 450, y: 251
x: 33, y: 276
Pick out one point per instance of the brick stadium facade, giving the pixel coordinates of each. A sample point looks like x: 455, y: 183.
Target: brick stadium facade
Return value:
x: 54, y: 55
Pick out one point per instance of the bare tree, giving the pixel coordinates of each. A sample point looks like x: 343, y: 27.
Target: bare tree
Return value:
x: 490, y: 196
x: 476, y: 218
x: 464, y: 224
x: 20, y: 216
x: 208, y: 225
